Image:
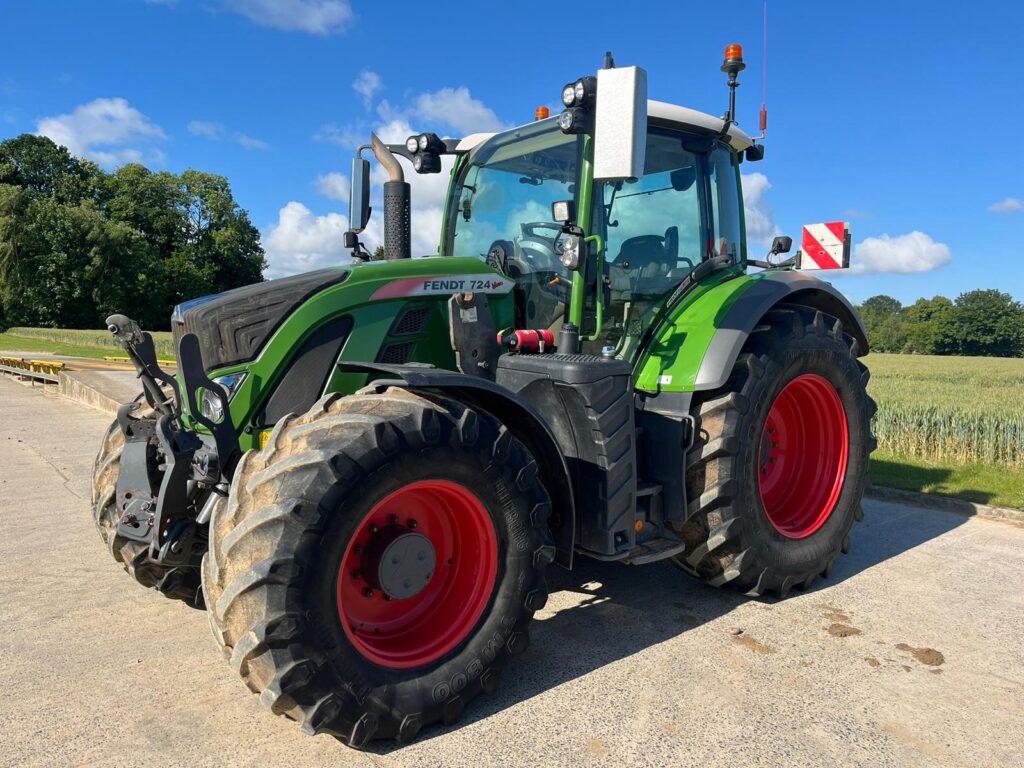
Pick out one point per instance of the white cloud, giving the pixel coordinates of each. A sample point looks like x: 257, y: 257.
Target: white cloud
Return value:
x: 1008, y: 205
x: 333, y: 185
x: 367, y: 85
x: 106, y: 123
x: 761, y: 227
x: 349, y: 136
x: 902, y: 254
x: 216, y: 131
x: 301, y: 241
x: 204, y: 128
x: 317, y: 17
x: 449, y: 107
x: 248, y: 142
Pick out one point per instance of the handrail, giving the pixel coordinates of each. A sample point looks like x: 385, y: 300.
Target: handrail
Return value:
x: 43, y: 370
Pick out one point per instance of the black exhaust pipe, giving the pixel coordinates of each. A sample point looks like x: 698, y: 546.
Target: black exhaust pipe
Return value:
x: 397, y: 210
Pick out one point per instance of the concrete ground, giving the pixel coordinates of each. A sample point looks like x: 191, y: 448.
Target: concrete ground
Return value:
x: 909, y: 655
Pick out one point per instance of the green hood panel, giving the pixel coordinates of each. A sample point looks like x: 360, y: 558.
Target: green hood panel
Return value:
x: 375, y: 296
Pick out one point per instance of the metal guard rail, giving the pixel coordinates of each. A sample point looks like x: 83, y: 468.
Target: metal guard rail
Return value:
x: 43, y: 370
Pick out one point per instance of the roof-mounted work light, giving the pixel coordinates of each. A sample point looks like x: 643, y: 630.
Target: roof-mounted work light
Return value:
x: 426, y: 150
x: 578, y: 98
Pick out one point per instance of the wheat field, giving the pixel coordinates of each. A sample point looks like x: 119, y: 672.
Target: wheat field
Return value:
x: 957, y: 410
x: 161, y: 339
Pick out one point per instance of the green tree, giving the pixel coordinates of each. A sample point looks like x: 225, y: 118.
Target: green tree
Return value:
x: 77, y: 244
x: 43, y: 169
x: 14, y: 245
x: 881, y: 316
x: 152, y: 203
x: 927, y: 326
x: 987, y: 323
x: 218, y: 235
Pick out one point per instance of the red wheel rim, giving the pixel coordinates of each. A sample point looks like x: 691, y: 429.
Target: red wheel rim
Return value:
x: 803, y: 456
x: 417, y: 630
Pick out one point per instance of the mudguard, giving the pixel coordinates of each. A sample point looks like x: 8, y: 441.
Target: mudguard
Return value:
x: 515, y: 413
x: 696, y: 347
x: 747, y: 311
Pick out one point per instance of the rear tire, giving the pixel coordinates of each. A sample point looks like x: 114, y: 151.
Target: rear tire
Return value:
x: 293, y: 611
x: 176, y: 583
x: 767, y: 514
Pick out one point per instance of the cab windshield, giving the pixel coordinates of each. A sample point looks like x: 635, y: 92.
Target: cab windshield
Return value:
x: 500, y: 211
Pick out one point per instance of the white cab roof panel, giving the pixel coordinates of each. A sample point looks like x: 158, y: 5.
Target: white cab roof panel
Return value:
x: 692, y: 118
x: 659, y: 110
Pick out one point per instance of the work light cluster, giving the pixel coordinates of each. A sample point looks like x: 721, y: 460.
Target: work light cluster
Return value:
x: 426, y: 150
x: 578, y: 99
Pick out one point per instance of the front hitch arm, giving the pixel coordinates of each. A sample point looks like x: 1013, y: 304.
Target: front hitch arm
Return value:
x: 141, y: 351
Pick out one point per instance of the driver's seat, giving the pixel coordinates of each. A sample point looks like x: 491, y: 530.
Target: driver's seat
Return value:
x: 643, y: 256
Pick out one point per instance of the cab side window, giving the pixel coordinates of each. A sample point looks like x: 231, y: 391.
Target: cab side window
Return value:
x: 654, y: 235
x: 726, y: 208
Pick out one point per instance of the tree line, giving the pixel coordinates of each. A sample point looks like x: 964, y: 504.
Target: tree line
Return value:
x: 78, y: 243
x: 985, y: 323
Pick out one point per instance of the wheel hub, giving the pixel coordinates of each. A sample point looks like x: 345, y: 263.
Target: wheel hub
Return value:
x: 399, y: 562
x: 803, y: 455
x: 417, y: 574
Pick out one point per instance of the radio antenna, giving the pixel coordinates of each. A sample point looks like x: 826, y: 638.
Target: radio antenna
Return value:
x: 764, y: 73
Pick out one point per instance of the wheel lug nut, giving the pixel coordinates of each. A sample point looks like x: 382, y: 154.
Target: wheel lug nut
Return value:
x: 413, y: 524
x: 367, y: 592
x: 387, y: 598
x: 393, y: 519
x: 373, y: 529
x: 358, y: 550
x: 357, y: 574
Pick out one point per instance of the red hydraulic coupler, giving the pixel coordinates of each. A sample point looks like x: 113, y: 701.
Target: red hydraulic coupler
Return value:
x: 527, y: 341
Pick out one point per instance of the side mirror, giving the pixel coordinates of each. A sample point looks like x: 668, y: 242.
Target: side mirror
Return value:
x: 781, y: 244
x: 359, y: 195
x: 754, y: 153
x: 620, y: 123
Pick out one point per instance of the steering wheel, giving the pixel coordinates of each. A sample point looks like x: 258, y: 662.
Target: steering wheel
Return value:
x: 539, y: 249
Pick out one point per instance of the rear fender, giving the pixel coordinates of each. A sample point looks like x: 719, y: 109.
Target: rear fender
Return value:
x: 746, y: 312
x: 696, y: 347
x: 516, y: 414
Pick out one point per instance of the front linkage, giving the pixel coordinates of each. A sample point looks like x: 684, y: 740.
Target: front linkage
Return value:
x: 170, y: 476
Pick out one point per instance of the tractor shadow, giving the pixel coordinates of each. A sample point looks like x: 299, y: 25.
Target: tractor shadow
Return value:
x: 600, y: 613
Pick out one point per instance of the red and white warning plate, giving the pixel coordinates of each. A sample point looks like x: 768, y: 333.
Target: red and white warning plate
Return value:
x: 825, y: 246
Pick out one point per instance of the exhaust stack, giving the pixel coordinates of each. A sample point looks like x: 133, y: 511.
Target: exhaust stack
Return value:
x: 397, y: 214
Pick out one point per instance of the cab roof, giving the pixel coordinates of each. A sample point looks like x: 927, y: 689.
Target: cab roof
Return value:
x: 660, y: 112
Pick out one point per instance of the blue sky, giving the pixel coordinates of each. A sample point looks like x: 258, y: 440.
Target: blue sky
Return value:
x: 900, y: 117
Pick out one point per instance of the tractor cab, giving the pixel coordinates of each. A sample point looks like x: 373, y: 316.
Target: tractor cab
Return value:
x: 648, y: 232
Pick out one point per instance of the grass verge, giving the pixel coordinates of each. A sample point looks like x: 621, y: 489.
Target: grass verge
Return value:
x: 13, y: 342
x: 980, y: 483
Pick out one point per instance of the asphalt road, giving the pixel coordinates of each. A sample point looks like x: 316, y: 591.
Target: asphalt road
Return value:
x: 909, y: 655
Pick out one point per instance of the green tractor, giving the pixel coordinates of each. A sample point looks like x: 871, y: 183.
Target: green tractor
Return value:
x: 363, y: 472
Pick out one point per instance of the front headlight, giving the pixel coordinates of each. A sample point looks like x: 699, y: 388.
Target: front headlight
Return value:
x: 210, y: 403
x: 570, y: 255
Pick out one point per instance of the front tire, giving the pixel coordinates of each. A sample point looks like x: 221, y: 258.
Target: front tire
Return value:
x: 177, y: 583
x: 305, y: 591
x: 780, y: 461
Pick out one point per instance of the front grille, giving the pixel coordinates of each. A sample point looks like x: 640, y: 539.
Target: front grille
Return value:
x: 410, y: 322
x: 396, y: 354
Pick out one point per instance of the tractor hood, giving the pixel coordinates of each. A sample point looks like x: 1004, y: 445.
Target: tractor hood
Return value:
x: 233, y: 326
